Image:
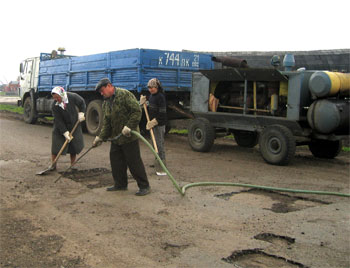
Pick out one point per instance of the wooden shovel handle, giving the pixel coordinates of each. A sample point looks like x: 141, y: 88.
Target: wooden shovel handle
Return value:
x: 65, y: 144
x: 151, y: 130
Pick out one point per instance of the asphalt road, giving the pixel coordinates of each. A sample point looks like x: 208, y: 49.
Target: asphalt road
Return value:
x: 75, y: 223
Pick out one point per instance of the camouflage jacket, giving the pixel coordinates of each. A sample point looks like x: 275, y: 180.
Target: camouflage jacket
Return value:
x: 122, y: 109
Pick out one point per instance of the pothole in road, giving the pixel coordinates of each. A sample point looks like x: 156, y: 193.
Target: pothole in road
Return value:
x: 275, y: 239
x: 283, y: 203
x: 173, y: 249
x: 260, y: 259
x: 91, y: 178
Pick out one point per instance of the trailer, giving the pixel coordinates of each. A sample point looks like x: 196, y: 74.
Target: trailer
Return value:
x: 278, y: 110
x: 130, y: 69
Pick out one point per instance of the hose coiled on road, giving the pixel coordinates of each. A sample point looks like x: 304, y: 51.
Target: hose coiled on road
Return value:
x: 187, y: 186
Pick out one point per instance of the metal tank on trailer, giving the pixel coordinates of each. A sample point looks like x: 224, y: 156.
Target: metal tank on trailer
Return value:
x: 276, y: 109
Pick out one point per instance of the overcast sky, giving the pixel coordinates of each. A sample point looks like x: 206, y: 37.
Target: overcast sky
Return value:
x: 88, y: 27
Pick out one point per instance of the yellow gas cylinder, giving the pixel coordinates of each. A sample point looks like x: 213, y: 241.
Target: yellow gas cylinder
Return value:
x: 284, y: 88
x: 326, y: 83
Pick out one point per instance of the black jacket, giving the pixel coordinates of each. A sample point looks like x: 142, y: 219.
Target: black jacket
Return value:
x: 157, y: 108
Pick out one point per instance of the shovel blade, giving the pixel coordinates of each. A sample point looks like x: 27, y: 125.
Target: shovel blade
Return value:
x: 44, y: 172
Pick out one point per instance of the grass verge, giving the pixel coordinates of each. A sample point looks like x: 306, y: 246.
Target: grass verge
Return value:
x: 182, y: 132
x: 11, y: 108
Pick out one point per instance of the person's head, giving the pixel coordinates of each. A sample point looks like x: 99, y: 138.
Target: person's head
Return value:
x: 57, y: 94
x: 105, y: 88
x: 154, y: 86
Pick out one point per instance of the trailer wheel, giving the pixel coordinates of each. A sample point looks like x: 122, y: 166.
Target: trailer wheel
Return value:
x: 94, y: 117
x: 247, y: 139
x: 277, y: 145
x: 29, y: 114
x: 201, y: 135
x: 325, y: 149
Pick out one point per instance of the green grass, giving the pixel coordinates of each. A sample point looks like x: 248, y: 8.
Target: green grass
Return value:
x: 11, y: 108
x: 346, y: 149
x: 178, y: 131
x: 230, y: 137
x: 18, y: 110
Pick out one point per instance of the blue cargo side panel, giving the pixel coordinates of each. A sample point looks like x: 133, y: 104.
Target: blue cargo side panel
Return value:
x: 88, y: 63
x: 173, y: 69
x: 53, y: 73
x: 125, y: 78
x: 175, y: 59
x: 119, y: 66
x: 130, y: 69
x: 124, y: 59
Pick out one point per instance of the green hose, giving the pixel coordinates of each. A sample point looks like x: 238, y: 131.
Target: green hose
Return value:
x: 183, y: 190
x: 160, y: 161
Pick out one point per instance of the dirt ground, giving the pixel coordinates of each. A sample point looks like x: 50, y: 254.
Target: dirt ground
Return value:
x: 75, y: 223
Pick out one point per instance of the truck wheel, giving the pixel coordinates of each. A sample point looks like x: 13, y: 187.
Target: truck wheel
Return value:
x: 94, y: 117
x: 277, y: 145
x: 201, y: 135
x: 247, y: 139
x: 325, y: 149
x: 29, y: 114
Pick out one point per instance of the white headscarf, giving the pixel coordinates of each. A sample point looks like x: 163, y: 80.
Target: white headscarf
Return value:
x: 60, y: 91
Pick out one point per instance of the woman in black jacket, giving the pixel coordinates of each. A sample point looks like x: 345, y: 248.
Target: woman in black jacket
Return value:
x: 158, y: 118
x: 65, y: 116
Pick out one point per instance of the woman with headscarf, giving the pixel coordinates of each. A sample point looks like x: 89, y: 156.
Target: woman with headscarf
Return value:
x: 65, y: 111
x: 158, y: 118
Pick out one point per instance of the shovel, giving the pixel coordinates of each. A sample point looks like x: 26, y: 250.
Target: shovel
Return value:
x: 151, y: 130
x: 50, y: 168
x: 88, y: 150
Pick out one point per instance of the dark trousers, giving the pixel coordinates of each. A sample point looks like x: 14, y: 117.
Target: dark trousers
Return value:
x: 127, y: 156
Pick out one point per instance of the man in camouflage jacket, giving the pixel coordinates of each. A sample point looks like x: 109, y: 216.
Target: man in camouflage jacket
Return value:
x: 121, y: 114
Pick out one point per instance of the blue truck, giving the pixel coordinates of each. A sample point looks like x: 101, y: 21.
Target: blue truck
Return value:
x: 130, y: 69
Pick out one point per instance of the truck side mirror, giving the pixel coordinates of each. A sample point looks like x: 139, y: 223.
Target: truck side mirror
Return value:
x: 21, y: 68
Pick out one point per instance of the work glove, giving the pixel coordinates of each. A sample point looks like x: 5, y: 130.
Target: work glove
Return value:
x: 142, y: 100
x: 126, y: 131
x: 97, y: 141
x: 81, y: 117
x: 151, y: 124
x: 67, y: 136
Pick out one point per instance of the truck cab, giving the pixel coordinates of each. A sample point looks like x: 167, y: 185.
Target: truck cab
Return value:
x: 29, y: 73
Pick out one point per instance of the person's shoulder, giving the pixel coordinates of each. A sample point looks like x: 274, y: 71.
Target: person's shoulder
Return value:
x: 122, y: 92
x: 72, y: 95
x: 161, y: 96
